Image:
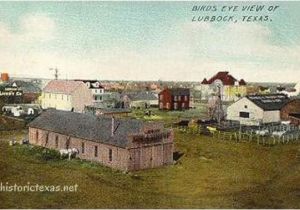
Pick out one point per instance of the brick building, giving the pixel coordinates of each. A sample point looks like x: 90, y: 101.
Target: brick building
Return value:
x: 174, y: 99
x: 124, y: 144
x: 291, y: 111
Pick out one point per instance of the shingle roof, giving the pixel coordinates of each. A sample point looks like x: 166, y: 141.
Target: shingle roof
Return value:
x: 269, y: 101
x: 62, y: 86
x: 97, y: 129
x: 180, y: 91
x: 27, y: 87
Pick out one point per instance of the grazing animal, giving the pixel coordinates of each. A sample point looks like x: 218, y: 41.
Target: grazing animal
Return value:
x: 211, y: 129
x: 261, y: 132
x: 68, y: 152
x: 278, y: 133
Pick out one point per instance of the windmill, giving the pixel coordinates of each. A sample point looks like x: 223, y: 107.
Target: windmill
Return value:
x: 55, y: 73
x: 215, y: 107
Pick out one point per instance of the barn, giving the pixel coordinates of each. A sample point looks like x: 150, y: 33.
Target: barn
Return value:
x: 257, y: 109
x: 124, y: 144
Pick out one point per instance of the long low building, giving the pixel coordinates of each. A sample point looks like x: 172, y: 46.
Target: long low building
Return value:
x: 124, y: 144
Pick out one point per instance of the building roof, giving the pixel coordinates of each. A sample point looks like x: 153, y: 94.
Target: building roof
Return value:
x: 295, y: 115
x: 89, y: 127
x: 27, y: 87
x: 269, y: 102
x: 140, y: 95
x: 225, y: 77
x: 91, y: 83
x: 62, y: 86
x: 180, y: 91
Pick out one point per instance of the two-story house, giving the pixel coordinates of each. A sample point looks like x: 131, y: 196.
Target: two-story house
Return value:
x: 174, y: 99
x: 96, y: 89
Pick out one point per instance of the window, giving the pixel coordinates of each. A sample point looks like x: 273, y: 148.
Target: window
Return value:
x: 161, y: 105
x: 82, y: 147
x: 161, y: 97
x: 183, y: 105
x: 246, y: 106
x: 96, y: 151
x: 175, y: 105
x: 56, y: 141
x: 36, y: 136
x: 110, y: 154
x: 179, y: 98
x: 47, y: 139
x: 244, y: 114
x: 168, y: 105
x: 68, y: 143
x: 175, y: 98
x: 186, y: 98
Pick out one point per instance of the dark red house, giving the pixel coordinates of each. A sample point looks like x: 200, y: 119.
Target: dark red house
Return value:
x: 174, y: 99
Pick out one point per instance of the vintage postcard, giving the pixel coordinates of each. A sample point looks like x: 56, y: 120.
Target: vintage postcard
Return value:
x: 149, y: 104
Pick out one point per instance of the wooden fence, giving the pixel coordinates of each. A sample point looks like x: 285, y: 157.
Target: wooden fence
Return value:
x: 245, y: 136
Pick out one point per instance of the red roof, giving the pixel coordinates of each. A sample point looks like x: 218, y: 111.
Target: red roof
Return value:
x: 62, y: 86
x: 225, y: 77
x: 242, y: 82
x: 204, y: 81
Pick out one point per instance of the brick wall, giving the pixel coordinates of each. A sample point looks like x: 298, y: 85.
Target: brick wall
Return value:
x: 153, y: 154
x: 291, y: 107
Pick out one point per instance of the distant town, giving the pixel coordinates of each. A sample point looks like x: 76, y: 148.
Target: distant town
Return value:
x: 136, y: 125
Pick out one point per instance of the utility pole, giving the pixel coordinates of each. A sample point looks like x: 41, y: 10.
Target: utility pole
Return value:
x: 55, y: 72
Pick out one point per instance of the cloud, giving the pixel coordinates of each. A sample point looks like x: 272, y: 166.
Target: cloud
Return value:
x: 33, y: 28
x: 190, y: 52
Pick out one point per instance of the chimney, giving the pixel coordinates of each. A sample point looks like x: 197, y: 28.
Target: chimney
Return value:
x: 112, y: 126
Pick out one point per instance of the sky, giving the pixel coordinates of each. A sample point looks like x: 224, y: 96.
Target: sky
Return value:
x: 147, y: 41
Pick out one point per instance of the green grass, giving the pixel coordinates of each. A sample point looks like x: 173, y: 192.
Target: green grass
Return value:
x: 210, y: 174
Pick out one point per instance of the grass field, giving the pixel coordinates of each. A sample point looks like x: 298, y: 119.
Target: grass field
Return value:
x: 209, y: 174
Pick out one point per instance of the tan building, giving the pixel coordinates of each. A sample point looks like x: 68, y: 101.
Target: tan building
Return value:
x: 66, y: 95
x: 124, y: 144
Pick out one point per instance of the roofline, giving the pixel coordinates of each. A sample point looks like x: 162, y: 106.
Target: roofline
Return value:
x: 74, y: 136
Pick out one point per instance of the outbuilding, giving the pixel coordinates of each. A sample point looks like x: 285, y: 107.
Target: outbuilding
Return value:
x: 124, y: 144
x: 257, y: 109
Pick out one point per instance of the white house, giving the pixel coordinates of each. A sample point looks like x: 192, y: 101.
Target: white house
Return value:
x: 257, y: 109
x: 96, y: 89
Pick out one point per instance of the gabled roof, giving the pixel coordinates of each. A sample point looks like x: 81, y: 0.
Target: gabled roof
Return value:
x: 225, y: 77
x: 269, y: 102
x: 91, y: 83
x: 27, y: 87
x: 62, y: 86
x: 178, y: 91
x: 89, y: 127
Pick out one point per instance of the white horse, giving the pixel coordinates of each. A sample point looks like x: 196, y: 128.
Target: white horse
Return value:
x: 68, y: 152
x: 261, y: 132
x: 278, y: 133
